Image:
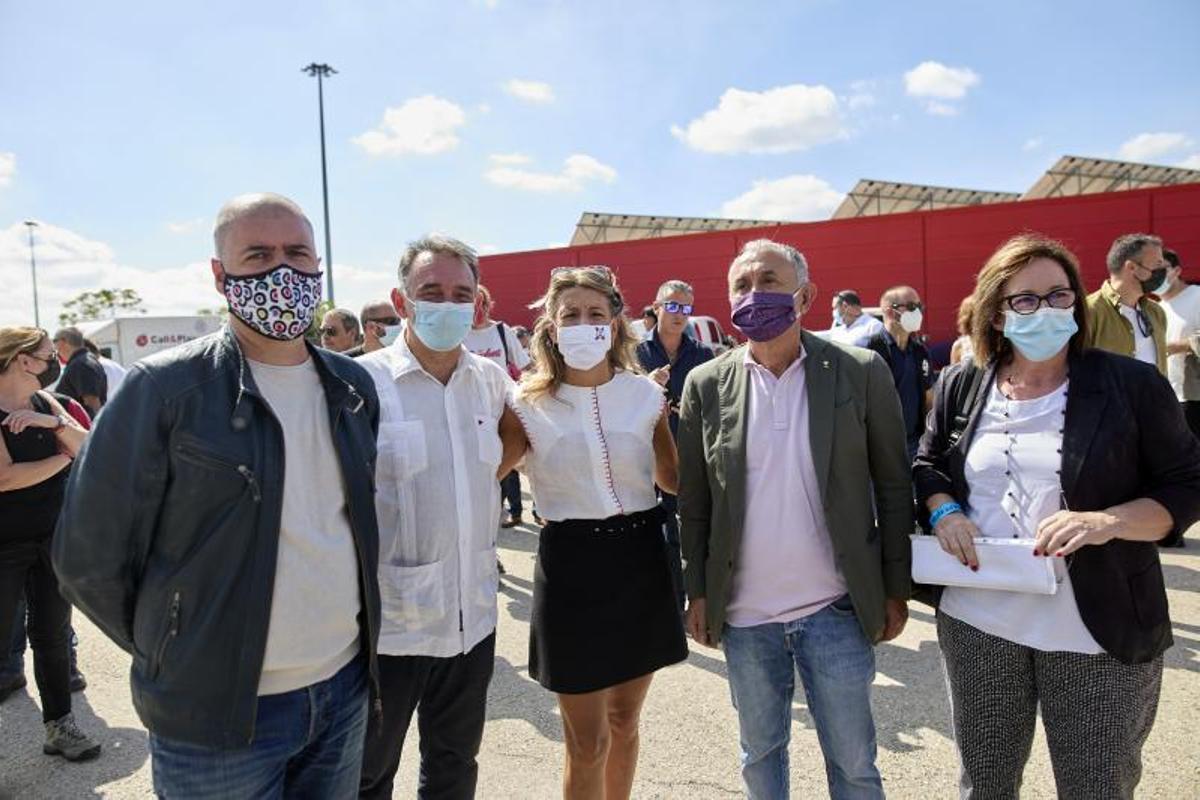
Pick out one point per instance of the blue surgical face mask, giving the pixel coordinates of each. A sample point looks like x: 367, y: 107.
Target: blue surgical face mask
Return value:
x: 390, y: 334
x: 1041, y: 335
x: 441, y: 326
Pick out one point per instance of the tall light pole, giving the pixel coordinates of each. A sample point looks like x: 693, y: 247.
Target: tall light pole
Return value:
x: 320, y: 72
x: 37, y: 318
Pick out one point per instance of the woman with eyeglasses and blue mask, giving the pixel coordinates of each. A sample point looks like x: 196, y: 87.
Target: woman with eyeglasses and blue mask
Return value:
x: 1082, y: 454
x: 604, y: 612
x: 38, y: 443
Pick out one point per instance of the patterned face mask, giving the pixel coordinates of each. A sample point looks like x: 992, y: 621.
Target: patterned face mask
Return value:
x: 279, y: 303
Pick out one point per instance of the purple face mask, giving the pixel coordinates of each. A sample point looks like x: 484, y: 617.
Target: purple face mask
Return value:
x: 763, y: 316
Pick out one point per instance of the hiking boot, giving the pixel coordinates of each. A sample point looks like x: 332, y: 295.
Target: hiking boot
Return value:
x: 63, y: 738
x: 10, y: 684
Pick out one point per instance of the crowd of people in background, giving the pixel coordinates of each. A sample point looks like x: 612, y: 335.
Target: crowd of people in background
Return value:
x: 299, y: 549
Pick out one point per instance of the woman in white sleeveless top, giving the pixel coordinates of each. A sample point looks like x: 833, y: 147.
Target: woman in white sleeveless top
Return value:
x: 604, y: 614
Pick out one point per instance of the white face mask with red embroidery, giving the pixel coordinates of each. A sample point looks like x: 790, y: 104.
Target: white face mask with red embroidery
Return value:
x: 584, y: 346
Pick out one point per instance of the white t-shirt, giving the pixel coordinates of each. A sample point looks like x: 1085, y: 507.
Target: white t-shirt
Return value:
x: 1143, y: 346
x: 1013, y: 470
x: 857, y: 333
x: 591, y: 450
x: 1183, y: 320
x: 486, y: 342
x: 313, y: 630
x: 114, y: 372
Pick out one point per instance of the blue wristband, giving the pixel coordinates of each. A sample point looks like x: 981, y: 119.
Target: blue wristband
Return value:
x: 944, y: 510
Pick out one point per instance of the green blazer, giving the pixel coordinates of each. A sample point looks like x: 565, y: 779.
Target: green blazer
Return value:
x: 857, y: 433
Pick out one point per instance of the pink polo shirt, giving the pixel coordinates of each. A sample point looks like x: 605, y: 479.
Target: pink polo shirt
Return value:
x: 786, y: 567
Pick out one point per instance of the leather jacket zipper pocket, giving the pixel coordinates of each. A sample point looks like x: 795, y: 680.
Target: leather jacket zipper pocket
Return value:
x: 203, y: 459
x: 168, y: 636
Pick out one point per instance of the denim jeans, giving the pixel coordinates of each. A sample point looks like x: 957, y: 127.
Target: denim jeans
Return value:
x: 837, y: 665
x: 510, y: 489
x: 307, y: 743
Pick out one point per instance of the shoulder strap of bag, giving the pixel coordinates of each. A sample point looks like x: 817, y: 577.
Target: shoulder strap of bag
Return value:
x: 503, y: 343
x: 966, y: 393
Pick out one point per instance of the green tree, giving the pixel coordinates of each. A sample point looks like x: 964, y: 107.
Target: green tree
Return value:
x: 100, y: 304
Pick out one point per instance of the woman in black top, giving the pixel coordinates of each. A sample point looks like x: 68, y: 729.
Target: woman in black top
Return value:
x: 38, y: 441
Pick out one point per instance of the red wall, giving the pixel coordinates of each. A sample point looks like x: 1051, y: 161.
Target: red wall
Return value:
x: 938, y: 252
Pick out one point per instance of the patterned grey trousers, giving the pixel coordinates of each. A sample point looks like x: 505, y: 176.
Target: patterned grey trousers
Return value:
x: 1097, y: 713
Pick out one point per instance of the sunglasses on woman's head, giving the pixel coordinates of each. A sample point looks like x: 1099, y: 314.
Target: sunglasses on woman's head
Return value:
x: 598, y: 269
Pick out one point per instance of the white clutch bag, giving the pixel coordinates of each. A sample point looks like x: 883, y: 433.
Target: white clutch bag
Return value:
x: 1004, y: 565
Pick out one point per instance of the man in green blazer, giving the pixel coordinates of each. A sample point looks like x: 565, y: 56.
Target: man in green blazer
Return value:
x: 795, y: 497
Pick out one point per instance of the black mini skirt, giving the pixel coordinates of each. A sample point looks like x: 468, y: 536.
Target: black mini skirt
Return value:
x: 604, y: 608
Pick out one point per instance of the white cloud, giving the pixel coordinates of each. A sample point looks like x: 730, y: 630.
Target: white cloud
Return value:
x: 1149, y: 146
x: 530, y: 91
x: 933, y: 79
x: 1191, y: 162
x: 777, y: 120
x: 1032, y: 144
x: 186, y: 226
x: 862, y: 95
x: 424, y: 125
x: 796, y: 197
x: 69, y: 263
x: 578, y: 171
x: 936, y: 84
x: 487, y: 249
x: 8, y: 167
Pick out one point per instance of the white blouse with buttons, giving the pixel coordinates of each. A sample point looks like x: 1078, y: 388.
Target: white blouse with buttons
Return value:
x: 591, y: 450
x: 1014, y: 469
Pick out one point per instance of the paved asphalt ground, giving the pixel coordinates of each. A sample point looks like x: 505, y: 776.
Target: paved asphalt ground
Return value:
x: 689, y: 731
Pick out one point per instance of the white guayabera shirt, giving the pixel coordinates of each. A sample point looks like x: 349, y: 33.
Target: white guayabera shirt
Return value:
x: 437, y: 500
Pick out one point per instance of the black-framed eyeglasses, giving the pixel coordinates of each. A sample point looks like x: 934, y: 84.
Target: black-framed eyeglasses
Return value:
x: 671, y: 307
x: 909, y: 306
x: 1029, y: 302
x: 385, y: 321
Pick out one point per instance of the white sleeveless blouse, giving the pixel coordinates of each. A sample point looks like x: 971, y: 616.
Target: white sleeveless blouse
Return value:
x: 591, y: 450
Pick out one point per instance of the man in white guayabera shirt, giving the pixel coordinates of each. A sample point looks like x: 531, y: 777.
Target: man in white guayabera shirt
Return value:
x: 446, y: 435
x: 795, y: 498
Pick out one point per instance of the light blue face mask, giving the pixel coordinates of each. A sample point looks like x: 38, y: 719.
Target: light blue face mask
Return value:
x: 441, y: 326
x: 390, y: 334
x: 1041, y: 335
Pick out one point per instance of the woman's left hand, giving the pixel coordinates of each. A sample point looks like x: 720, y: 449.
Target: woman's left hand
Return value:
x: 1064, y: 532
x: 24, y: 418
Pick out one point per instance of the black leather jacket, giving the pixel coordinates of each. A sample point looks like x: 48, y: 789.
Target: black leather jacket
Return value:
x: 1124, y: 438
x: 170, y: 529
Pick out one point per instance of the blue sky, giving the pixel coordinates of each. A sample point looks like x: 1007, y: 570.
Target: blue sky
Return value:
x: 126, y: 125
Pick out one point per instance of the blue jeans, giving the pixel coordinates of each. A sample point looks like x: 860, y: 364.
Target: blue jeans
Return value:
x: 307, y: 743
x: 837, y: 665
x: 510, y: 489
